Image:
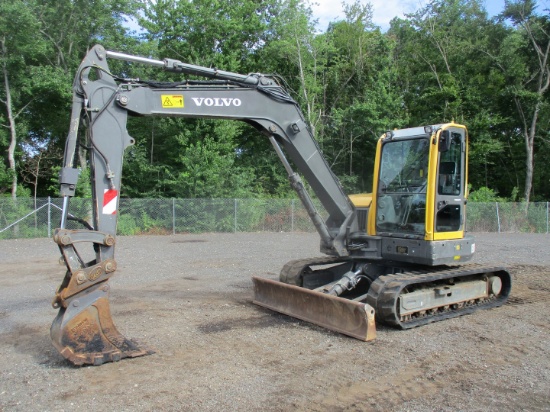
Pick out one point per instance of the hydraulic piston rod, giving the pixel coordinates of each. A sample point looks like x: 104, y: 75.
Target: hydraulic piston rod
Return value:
x: 135, y: 59
x: 180, y: 67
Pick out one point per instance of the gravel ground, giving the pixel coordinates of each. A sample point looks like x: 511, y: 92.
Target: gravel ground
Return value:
x: 189, y: 298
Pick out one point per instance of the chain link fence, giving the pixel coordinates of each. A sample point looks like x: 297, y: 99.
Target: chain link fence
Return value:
x: 27, y: 218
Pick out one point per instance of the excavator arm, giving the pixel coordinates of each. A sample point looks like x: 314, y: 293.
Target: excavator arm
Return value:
x: 105, y: 103
x: 83, y: 330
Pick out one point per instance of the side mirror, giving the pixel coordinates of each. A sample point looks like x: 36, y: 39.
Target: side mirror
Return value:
x: 444, y: 141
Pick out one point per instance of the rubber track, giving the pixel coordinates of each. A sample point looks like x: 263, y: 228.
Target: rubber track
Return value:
x: 384, y: 293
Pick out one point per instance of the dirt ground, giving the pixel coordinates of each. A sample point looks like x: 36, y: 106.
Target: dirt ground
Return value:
x: 189, y: 298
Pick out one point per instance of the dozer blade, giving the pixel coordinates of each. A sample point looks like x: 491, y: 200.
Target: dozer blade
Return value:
x: 341, y: 315
x: 84, y: 332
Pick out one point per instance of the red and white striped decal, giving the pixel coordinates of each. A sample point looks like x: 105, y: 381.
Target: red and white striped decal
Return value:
x: 110, y: 197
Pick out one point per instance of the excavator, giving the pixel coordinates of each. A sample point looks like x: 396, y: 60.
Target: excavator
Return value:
x: 396, y: 256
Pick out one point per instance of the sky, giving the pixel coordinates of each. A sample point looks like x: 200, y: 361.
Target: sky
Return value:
x: 384, y: 10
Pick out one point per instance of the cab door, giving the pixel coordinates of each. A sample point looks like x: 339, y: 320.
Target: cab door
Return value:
x: 451, y: 183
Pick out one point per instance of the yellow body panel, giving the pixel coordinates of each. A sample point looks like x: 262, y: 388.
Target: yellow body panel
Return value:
x: 431, y: 234
x: 448, y: 235
x: 362, y: 200
x: 431, y: 188
x: 371, y: 224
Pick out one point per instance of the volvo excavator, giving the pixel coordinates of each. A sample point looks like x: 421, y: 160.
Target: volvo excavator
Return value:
x: 396, y: 256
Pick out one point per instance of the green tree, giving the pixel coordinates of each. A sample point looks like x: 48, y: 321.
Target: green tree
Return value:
x: 186, y: 167
x: 362, y: 96
x: 299, y: 56
x: 446, y: 72
x: 439, y: 59
x: 41, y: 44
x: 177, y: 157
x: 528, y: 70
x: 18, y: 51
x: 211, y: 33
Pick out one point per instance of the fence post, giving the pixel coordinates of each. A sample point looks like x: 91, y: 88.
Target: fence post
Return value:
x: 50, y: 218
x: 498, y: 217
x: 235, y: 222
x: 173, y: 216
x: 292, y: 217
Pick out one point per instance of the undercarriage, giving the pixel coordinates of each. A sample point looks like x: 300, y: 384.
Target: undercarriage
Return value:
x: 397, y: 295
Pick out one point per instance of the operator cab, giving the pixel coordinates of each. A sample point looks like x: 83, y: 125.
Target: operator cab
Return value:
x: 420, y: 182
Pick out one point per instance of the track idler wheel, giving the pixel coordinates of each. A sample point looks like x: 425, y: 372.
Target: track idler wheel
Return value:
x: 84, y: 332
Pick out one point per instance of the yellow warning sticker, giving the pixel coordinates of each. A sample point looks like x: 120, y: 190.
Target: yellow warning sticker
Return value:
x: 172, y: 101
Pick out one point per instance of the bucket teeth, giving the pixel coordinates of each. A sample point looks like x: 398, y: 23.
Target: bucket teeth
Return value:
x: 84, y: 332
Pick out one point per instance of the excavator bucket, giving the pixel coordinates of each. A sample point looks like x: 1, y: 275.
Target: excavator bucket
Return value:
x: 341, y: 315
x: 84, y: 332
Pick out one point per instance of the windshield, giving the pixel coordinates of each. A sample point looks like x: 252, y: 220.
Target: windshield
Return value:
x: 404, y: 166
x: 403, y: 175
